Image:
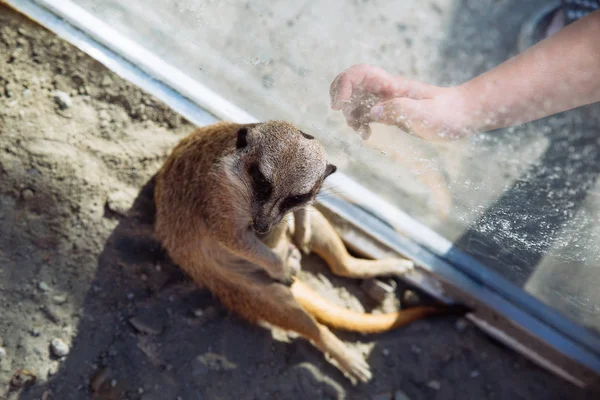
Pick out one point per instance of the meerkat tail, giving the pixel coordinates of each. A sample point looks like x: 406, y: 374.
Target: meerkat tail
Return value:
x: 338, y: 317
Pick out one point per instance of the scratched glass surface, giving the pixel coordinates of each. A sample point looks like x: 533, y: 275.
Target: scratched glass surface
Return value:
x: 522, y: 200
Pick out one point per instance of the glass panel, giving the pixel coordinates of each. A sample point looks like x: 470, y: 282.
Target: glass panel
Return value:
x: 523, y: 200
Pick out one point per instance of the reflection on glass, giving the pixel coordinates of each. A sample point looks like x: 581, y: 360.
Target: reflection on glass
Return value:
x: 523, y: 200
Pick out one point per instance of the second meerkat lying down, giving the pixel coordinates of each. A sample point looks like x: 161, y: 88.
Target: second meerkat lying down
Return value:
x: 221, y: 201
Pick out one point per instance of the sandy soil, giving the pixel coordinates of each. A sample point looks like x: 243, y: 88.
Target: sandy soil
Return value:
x: 92, y: 307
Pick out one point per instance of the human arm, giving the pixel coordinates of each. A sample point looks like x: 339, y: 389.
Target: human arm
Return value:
x: 557, y: 74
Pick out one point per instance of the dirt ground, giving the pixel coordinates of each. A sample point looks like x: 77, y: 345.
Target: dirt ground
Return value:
x: 92, y: 307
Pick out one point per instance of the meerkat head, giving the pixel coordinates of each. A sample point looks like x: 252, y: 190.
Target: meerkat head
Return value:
x: 282, y: 166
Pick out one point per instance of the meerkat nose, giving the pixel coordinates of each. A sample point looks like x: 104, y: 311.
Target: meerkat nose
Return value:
x: 260, y: 226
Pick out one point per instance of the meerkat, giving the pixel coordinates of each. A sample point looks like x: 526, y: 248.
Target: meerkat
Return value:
x: 223, y: 199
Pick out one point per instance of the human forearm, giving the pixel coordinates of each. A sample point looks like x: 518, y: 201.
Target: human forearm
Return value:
x: 558, y: 74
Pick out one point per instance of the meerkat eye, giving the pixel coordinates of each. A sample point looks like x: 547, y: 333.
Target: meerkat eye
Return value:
x: 307, y: 136
x: 294, y: 201
x: 260, y: 184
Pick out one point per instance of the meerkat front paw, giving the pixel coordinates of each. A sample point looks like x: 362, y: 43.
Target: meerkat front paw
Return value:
x: 303, y: 231
x: 291, y: 266
x: 294, y: 259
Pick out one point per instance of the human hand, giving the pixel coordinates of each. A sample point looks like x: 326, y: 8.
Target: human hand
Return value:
x: 367, y: 94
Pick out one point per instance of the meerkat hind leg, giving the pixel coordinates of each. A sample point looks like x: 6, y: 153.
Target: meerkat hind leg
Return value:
x: 327, y: 244
x: 275, y: 304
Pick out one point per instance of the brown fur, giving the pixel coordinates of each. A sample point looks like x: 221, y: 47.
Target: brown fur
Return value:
x: 204, y: 210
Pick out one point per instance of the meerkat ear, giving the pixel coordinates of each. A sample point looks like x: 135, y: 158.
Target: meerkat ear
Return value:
x: 242, y: 138
x: 330, y: 169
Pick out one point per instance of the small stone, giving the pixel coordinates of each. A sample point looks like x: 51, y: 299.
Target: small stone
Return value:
x: 410, y: 298
x: 43, y: 286
x: 147, y: 324
x: 474, y: 374
x: 62, y: 99
x: 435, y: 385
x: 52, y: 369
x: 59, y: 298
x: 59, y: 348
x: 400, y: 395
x: 198, y: 312
x: 119, y: 202
x: 35, y: 332
x: 461, y: 324
x: 385, y: 352
x: 27, y: 194
x: 2, y: 353
x: 376, y: 289
x: 216, y: 362
x: 106, y: 81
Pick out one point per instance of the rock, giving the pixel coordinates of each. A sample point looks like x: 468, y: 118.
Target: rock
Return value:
x: 376, y: 289
x: 62, y: 99
x: 216, y: 362
x: 400, y: 395
x: 59, y: 298
x: 43, y: 286
x: 35, y: 332
x: 119, y: 202
x: 59, y: 348
x: 2, y: 353
x: 52, y: 369
x: 198, y: 312
x: 410, y: 299
x: 474, y: 374
x: 435, y: 385
x: 106, y: 81
x: 147, y: 323
x: 27, y: 194
x: 461, y: 324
